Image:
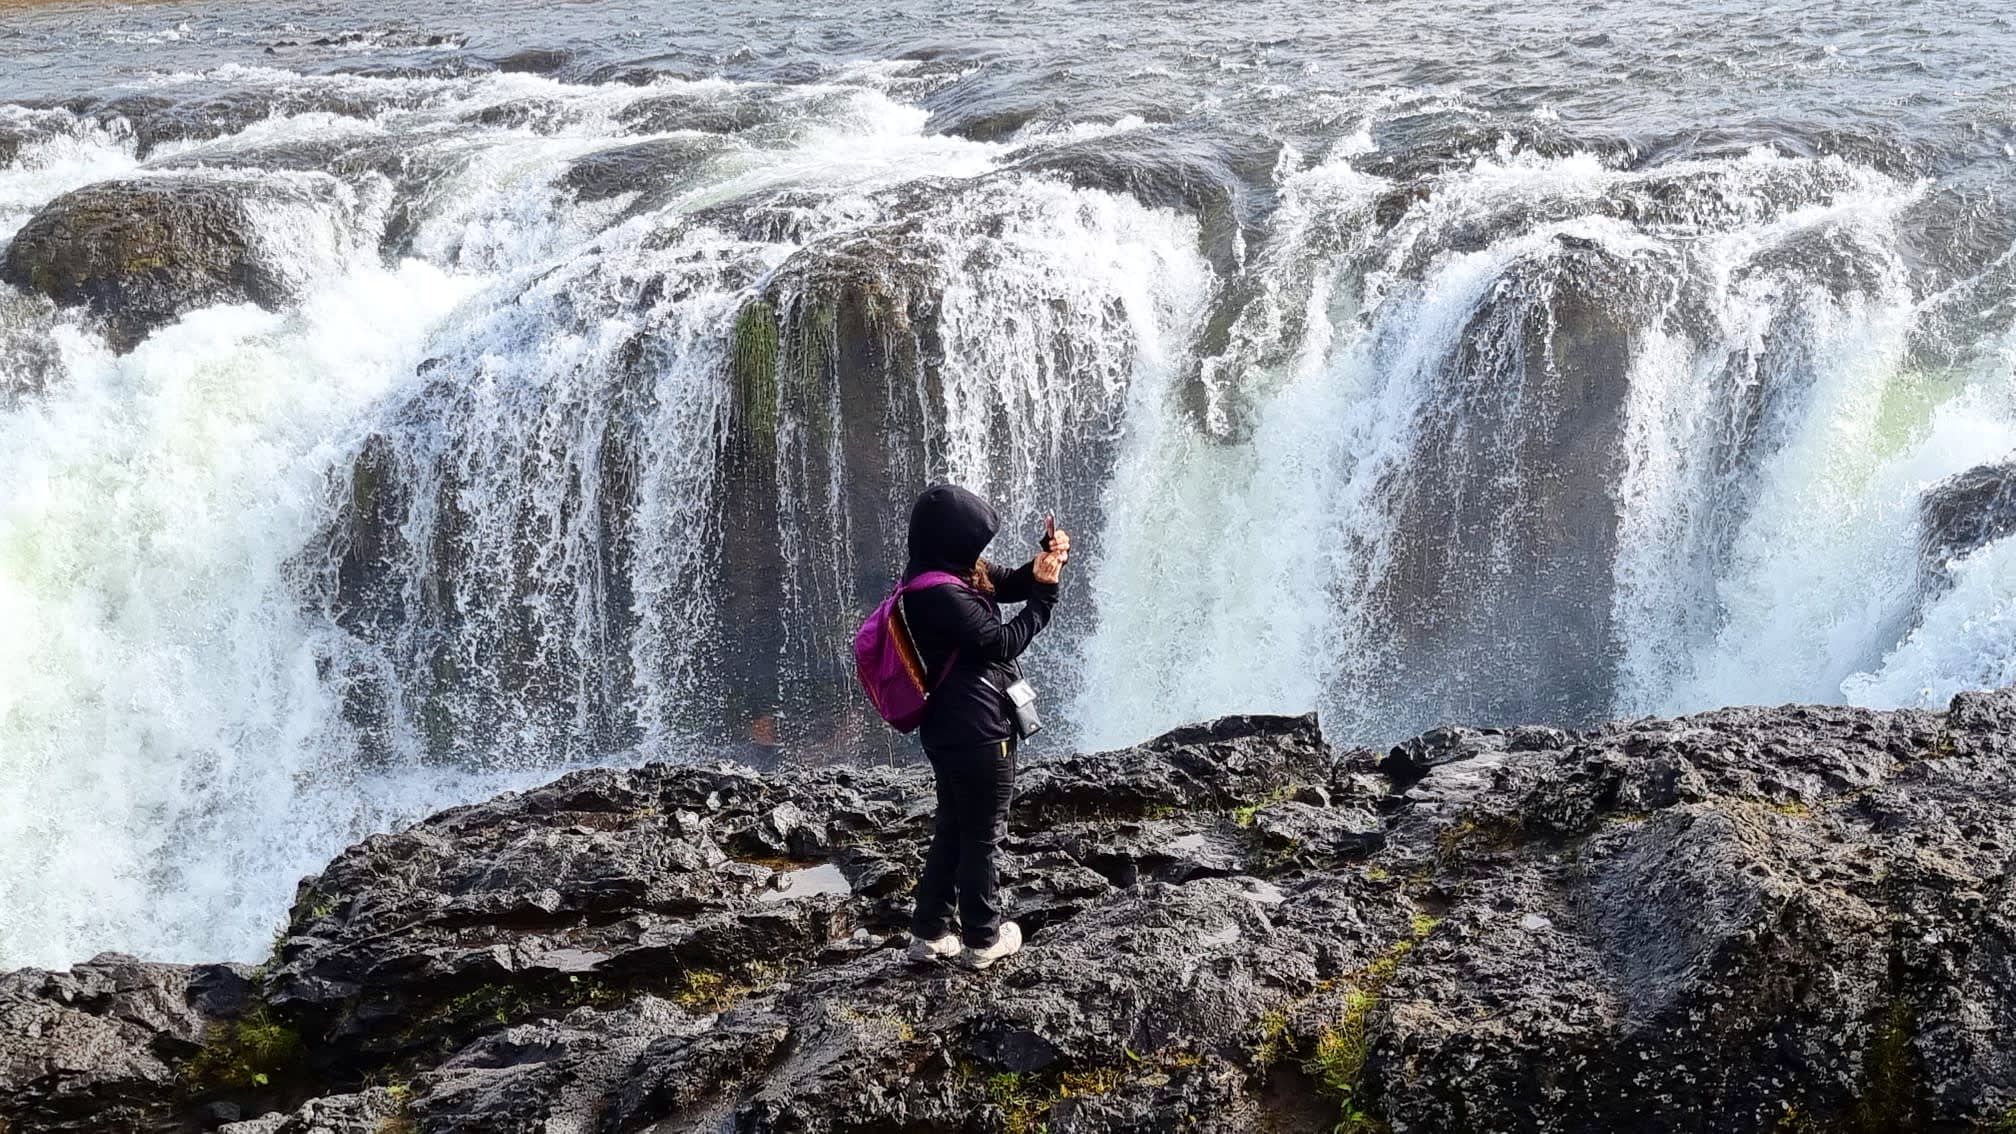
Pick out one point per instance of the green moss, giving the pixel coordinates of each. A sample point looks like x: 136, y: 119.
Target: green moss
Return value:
x: 273, y: 950
x: 812, y: 347
x: 589, y: 991
x: 1097, y: 1081
x: 1243, y: 816
x: 2003, y: 1125
x: 1021, y: 1100
x: 1024, y: 1099
x: 503, y: 1004
x: 401, y: 1120
x: 702, y: 990
x: 708, y: 990
x: 1489, y: 832
x: 1338, y: 1061
x: 1793, y: 1121
x: 1889, y: 1097
x: 752, y: 368
x: 499, y: 1002
x: 246, y: 1054
x: 1338, y: 1065
x: 1276, y: 1043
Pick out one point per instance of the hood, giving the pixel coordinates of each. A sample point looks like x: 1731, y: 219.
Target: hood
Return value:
x: 949, y: 528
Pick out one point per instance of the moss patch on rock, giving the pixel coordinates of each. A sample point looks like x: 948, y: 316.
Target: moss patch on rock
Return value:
x: 249, y: 1054
x: 752, y: 368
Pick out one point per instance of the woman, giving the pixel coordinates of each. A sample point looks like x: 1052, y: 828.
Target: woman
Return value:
x: 968, y: 729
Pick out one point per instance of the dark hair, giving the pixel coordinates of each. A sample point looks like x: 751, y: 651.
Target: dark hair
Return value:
x: 981, y: 580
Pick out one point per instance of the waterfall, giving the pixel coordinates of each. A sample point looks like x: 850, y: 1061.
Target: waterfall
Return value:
x: 579, y: 476
x: 1711, y: 369
x: 587, y: 429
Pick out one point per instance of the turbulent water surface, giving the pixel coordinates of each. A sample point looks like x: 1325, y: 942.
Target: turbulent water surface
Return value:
x: 1409, y: 361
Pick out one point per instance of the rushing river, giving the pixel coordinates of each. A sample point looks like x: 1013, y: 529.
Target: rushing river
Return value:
x: 1412, y: 362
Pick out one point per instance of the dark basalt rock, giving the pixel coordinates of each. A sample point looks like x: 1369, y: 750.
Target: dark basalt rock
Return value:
x: 721, y: 111
x: 209, y: 113
x: 140, y: 253
x: 100, y: 1047
x: 1226, y: 182
x: 656, y: 170
x: 1481, y: 558
x: 29, y: 357
x: 1746, y: 920
x: 371, y: 164
x: 1965, y: 513
x: 375, y: 1110
x: 536, y: 61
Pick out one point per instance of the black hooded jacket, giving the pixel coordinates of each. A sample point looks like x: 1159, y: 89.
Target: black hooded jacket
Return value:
x: 949, y: 528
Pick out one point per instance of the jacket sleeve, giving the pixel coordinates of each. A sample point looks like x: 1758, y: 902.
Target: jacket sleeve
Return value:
x: 1013, y: 585
x: 967, y: 623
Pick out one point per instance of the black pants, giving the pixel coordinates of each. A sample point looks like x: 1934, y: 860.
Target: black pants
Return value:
x: 975, y: 786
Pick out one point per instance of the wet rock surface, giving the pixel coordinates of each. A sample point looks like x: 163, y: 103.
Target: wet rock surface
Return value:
x: 140, y: 253
x: 835, y: 376
x: 1964, y: 513
x: 1480, y: 557
x: 1748, y: 920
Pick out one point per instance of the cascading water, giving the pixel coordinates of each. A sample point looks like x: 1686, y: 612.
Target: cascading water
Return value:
x: 494, y: 511
x: 584, y: 428
x: 1704, y: 368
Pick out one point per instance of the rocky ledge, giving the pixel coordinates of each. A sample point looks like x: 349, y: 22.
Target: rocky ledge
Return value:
x: 1796, y: 919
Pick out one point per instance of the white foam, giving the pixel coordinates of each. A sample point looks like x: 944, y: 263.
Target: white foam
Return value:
x: 170, y: 758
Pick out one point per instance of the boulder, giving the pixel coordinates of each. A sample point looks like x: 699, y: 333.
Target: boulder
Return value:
x: 537, y: 61
x: 657, y: 171
x: 140, y: 253
x: 101, y: 1047
x: 1750, y: 919
x: 1962, y: 514
x: 708, y: 113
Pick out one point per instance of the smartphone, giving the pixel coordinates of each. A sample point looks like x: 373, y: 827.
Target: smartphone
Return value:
x: 1049, y: 529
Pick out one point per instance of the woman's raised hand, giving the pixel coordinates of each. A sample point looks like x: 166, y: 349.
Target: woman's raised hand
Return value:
x: 1050, y: 563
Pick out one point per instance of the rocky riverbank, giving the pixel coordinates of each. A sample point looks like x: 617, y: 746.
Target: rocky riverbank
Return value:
x: 1795, y: 919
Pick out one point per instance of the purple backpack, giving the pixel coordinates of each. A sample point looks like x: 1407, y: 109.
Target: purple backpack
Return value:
x: 886, y: 658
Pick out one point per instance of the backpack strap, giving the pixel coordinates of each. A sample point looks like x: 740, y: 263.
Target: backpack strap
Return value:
x: 924, y: 581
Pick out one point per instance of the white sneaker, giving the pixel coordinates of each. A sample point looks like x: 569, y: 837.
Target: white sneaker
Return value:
x: 1007, y: 944
x: 934, y: 949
